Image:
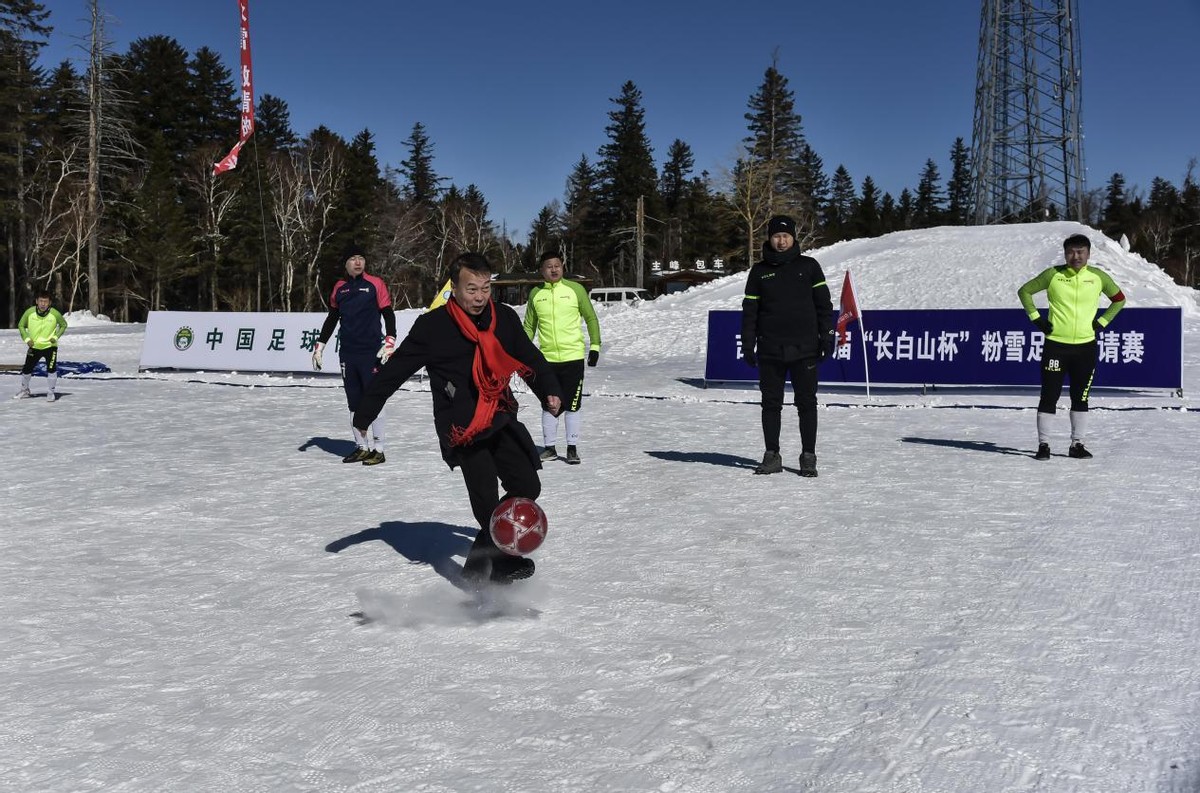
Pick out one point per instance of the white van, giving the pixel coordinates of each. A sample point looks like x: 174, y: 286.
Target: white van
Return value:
x: 608, y: 295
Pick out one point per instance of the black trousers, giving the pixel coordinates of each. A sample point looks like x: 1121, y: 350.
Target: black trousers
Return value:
x: 1074, y: 361
x: 772, y: 375
x: 357, y: 371
x: 505, y: 459
x: 50, y: 354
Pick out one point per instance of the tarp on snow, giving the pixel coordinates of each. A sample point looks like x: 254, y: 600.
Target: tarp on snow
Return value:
x: 71, y: 367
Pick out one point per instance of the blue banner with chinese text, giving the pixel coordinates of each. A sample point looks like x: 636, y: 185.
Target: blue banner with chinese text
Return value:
x: 1143, y: 348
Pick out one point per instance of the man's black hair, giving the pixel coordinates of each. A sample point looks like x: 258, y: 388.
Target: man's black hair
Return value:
x: 546, y: 256
x: 1077, y: 241
x: 475, y: 262
x: 43, y: 293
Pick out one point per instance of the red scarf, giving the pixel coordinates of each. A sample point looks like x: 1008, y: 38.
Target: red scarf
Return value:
x: 491, y: 371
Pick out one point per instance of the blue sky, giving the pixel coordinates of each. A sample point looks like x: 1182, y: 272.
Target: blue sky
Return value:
x: 513, y: 94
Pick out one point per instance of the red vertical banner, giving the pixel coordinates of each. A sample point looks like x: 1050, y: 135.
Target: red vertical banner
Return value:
x: 849, y: 311
x: 247, y: 83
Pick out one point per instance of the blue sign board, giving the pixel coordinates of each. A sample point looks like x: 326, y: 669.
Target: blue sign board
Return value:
x: 1143, y: 348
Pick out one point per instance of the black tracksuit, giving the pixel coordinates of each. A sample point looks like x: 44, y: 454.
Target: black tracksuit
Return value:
x: 787, y: 321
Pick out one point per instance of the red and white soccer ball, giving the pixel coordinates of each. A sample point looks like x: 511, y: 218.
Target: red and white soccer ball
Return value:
x: 518, y: 525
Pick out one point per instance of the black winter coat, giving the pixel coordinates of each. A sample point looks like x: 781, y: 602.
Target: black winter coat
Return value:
x: 436, y: 343
x: 787, y: 312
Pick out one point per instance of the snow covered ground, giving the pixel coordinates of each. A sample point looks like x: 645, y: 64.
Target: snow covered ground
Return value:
x: 185, y: 556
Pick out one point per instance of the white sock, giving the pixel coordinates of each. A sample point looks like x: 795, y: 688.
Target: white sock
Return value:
x: 51, y: 381
x: 378, y: 430
x: 549, y: 428
x: 573, y: 422
x: 359, y: 439
x: 25, y: 378
x: 1078, y: 425
x: 1043, y: 426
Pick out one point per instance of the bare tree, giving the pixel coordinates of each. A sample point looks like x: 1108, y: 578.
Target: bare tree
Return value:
x: 57, y: 191
x: 305, y: 184
x: 403, y: 259
x: 216, y: 196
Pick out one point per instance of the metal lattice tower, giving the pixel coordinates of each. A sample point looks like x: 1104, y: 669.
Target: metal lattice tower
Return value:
x: 1027, y: 143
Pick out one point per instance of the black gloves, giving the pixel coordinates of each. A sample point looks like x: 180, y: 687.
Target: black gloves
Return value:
x: 593, y: 357
x: 827, y: 344
x: 1096, y: 326
x: 750, y: 358
x: 1043, y: 325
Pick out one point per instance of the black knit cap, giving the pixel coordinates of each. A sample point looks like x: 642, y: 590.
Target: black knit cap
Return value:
x: 353, y: 249
x: 781, y: 223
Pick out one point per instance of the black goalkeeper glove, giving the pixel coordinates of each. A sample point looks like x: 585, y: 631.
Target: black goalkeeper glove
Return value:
x: 828, y: 344
x: 593, y: 357
x: 1043, y: 325
x: 1096, y: 326
x: 750, y: 358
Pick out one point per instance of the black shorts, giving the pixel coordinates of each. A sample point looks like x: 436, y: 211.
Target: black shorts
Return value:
x: 570, y: 377
x: 33, y: 356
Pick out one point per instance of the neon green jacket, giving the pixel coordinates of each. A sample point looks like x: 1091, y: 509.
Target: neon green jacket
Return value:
x: 554, y: 313
x: 42, y: 329
x: 1074, y: 296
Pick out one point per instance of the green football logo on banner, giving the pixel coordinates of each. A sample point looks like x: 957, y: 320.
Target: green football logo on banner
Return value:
x: 183, y: 338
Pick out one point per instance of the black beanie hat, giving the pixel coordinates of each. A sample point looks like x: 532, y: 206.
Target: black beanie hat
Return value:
x: 353, y: 249
x: 781, y: 223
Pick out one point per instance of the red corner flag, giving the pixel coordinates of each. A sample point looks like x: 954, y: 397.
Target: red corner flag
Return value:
x: 849, y: 309
x: 247, y: 105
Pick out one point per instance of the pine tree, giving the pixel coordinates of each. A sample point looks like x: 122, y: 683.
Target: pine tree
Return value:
x: 545, y: 234
x: 675, y: 176
x: 958, y: 189
x: 866, y: 211
x: 626, y: 171
x: 273, y: 124
x: 841, y: 205
x: 1116, y: 217
x: 888, y: 214
x: 778, y: 149
x: 354, y: 218
x: 906, y: 210
x: 583, y: 235
x: 928, y: 207
x: 23, y: 32
x: 154, y: 75
x: 816, y: 187
x: 214, y: 116
x: 421, y: 183
x: 1189, y: 236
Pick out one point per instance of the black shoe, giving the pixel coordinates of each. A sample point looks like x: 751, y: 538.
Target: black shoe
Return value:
x: 1043, y: 452
x: 808, y: 464
x: 772, y: 464
x: 356, y: 456
x: 548, y: 454
x: 1078, y: 452
x: 374, y: 458
x: 507, y: 569
x: 573, y: 456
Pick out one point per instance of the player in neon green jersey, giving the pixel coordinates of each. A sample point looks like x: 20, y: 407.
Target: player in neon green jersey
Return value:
x: 556, y: 313
x: 1073, y: 290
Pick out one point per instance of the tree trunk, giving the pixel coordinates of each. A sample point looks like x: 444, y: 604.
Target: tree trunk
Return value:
x: 93, y: 177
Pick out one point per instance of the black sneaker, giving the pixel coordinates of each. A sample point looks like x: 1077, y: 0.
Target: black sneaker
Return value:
x: 1078, y: 452
x: 374, y: 458
x: 772, y: 464
x: 573, y: 456
x: 548, y: 454
x: 356, y: 456
x: 808, y: 464
x: 1043, y: 452
x: 507, y: 569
